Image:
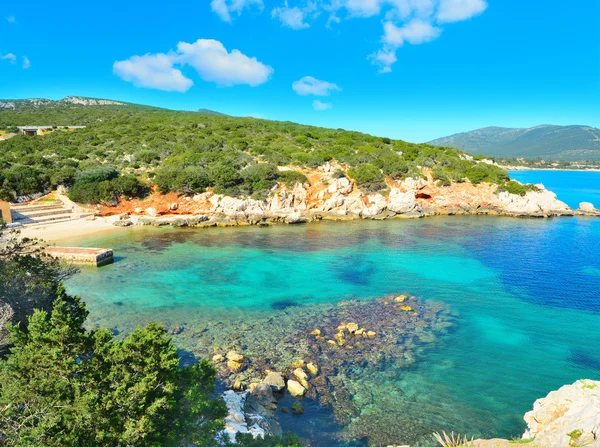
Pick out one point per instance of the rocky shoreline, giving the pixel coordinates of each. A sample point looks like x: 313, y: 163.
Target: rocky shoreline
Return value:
x: 567, y: 417
x: 327, y: 196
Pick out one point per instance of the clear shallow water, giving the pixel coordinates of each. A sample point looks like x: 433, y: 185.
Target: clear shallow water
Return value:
x: 572, y: 187
x: 527, y: 293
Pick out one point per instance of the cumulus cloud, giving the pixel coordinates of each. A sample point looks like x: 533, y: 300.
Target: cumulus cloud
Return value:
x: 414, y: 32
x: 404, y: 21
x: 320, y: 106
x: 214, y: 63
x: 224, y: 8
x: 312, y: 86
x: 8, y: 57
x: 26, y: 63
x: 295, y: 17
x: 153, y: 71
x: 384, y: 58
x: 457, y: 10
x: 208, y: 57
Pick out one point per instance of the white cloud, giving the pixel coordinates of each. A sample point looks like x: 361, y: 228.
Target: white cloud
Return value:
x: 26, y: 63
x: 153, y: 71
x: 293, y: 17
x: 405, y: 21
x: 214, y: 64
x: 208, y: 57
x: 8, y: 57
x: 385, y: 58
x: 11, y: 19
x: 457, y: 10
x: 320, y: 106
x: 224, y: 8
x: 414, y: 32
x: 362, y: 8
x: 312, y: 86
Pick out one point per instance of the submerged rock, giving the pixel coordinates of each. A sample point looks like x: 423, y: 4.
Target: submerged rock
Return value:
x: 295, y: 388
x: 275, y: 380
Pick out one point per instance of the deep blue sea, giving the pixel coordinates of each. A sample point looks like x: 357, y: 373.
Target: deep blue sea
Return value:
x: 526, y: 293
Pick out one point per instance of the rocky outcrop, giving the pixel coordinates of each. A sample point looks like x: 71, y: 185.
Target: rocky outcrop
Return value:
x: 251, y: 412
x: 534, y: 203
x: 567, y: 417
x: 587, y: 209
x: 330, y: 195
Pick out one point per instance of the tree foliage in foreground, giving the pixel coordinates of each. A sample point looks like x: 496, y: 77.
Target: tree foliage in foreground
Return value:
x: 28, y: 280
x: 63, y: 385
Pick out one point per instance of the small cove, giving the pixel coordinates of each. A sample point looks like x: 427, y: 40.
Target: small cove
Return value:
x: 525, y: 293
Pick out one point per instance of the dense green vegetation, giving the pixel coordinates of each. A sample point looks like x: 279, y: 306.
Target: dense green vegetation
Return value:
x: 63, y: 385
x: 188, y: 152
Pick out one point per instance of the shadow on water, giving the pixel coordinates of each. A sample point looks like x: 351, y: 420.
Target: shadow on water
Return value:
x: 584, y: 359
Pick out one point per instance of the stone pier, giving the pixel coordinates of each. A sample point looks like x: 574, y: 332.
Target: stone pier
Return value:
x: 81, y: 255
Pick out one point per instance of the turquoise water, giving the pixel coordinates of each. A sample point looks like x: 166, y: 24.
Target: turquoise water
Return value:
x: 572, y: 187
x: 526, y: 292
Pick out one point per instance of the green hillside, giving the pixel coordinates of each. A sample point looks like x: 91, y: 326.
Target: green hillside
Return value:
x: 125, y: 147
x: 570, y: 143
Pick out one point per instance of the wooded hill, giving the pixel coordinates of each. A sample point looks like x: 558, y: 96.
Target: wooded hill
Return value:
x: 126, y: 147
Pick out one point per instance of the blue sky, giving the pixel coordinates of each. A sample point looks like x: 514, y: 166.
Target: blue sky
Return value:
x: 410, y: 69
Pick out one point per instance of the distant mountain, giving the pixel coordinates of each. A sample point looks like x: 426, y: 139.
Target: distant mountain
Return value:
x: 571, y: 143
x: 210, y: 112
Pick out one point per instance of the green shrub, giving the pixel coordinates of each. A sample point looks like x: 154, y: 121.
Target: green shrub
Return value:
x: 290, y: 178
x: 516, y: 188
x: 442, y: 178
x: 368, y: 177
x: 393, y: 166
x: 104, y: 185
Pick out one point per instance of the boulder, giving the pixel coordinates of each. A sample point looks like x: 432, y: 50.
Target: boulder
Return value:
x: 402, y: 202
x: 234, y: 356
x: 587, y: 207
x: 275, y: 380
x: 123, y: 223
x: 234, y: 366
x: 295, y: 218
x: 151, y: 212
x: 173, y: 206
x: 242, y: 418
x: 566, y: 417
x: 295, y: 388
x: 297, y: 408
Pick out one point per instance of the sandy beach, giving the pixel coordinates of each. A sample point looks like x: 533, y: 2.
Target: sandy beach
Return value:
x: 58, y: 232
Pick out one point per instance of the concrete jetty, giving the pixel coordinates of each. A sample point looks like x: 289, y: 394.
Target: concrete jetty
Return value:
x: 82, y: 255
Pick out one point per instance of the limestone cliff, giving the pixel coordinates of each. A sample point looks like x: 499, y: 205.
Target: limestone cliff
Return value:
x: 567, y: 417
x: 327, y: 195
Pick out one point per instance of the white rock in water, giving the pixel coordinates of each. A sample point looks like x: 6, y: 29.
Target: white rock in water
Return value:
x: 587, y: 207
